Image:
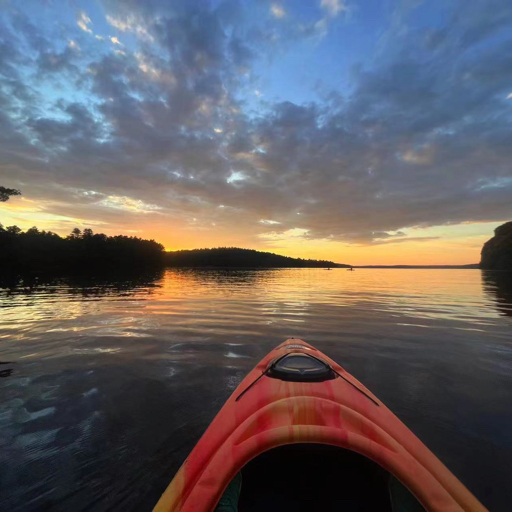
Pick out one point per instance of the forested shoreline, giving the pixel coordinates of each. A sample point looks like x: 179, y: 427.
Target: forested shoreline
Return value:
x: 39, y: 251
x: 241, y: 258
x: 83, y: 251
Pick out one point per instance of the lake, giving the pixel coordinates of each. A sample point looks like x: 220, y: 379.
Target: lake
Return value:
x: 109, y: 384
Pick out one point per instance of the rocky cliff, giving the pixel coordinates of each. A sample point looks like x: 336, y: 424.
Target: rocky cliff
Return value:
x: 497, y: 252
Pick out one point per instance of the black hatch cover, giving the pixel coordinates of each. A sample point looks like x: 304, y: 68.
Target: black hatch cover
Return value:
x: 300, y: 368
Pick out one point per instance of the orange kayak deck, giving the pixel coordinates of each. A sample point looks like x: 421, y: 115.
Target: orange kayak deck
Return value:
x: 286, y: 400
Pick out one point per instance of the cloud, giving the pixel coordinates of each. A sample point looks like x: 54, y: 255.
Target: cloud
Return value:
x: 175, y: 127
x: 277, y: 11
x: 333, y: 7
x: 289, y: 234
x: 409, y: 239
x: 155, y: 70
x: 128, y: 203
x: 131, y: 23
x: 84, y: 21
x: 420, y: 156
x: 56, y: 62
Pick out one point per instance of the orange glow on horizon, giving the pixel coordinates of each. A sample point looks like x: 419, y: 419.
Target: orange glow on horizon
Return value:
x: 444, y: 245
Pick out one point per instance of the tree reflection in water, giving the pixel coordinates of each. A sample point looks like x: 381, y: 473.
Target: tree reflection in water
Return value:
x: 86, y: 286
x: 498, y: 285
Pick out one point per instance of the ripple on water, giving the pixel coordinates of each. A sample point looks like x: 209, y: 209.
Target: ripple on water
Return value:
x: 110, y: 385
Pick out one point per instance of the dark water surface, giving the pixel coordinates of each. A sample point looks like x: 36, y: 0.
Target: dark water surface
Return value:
x: 109, y: 385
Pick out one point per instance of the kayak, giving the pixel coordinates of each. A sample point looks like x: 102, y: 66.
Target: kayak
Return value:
x: 307, y: 435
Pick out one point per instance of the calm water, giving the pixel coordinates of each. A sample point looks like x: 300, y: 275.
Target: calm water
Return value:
x: 109, y: 385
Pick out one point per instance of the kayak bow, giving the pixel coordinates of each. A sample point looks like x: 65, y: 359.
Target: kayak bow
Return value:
x: 298, y: 396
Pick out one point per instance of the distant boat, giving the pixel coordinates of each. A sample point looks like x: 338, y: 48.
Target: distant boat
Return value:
x: 328, y: 269
x: 350, y: 269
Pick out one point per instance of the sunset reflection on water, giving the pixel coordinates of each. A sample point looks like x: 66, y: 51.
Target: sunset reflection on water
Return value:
x: 110, y: 383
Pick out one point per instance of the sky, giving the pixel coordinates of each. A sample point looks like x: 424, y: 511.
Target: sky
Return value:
x: 359, y: 131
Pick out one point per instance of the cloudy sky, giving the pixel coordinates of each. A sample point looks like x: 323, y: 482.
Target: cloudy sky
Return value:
x: 361, y: 131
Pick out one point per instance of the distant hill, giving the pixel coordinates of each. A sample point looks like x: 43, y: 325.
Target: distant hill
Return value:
x: 497, y: 252
x: 235, y: 257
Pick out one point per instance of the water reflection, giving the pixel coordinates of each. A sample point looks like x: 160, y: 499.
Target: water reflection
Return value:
x: 6, y: 372
x: 88, y: 286
x: 224, y: 276
x: 112, y: 381
x: 498, y: 285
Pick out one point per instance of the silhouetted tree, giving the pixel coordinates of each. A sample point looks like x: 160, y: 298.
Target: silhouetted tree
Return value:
x: 5, y: 193
x: 75, y: 234
x: 13, y: 230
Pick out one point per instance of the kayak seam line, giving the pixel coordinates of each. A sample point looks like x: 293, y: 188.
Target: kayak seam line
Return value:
x: 356, y: 387
x: 250, y: 386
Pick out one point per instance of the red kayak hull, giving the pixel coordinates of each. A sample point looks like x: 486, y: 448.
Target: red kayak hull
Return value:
x: 264, y: 413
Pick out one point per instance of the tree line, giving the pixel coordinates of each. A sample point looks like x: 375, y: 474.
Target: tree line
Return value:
x: 235, y: 257
x: 84, y: 251
x: 87, y: 252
